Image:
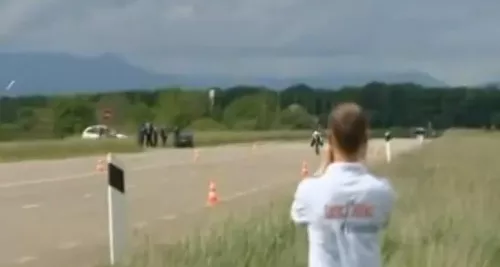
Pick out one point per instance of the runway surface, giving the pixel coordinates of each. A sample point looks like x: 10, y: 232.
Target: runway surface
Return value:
x: 53, y: 213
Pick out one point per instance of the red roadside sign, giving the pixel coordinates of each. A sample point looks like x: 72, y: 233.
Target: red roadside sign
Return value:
x: 107, y: 114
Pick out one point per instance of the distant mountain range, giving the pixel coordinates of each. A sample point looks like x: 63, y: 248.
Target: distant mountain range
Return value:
x: 51, y: 73
x: 495, y: 85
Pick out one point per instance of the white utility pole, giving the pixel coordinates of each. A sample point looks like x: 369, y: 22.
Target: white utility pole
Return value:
x: 7, y: 88
x: 211, y: 97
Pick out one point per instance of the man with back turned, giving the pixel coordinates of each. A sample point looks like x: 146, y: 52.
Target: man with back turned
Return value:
x: 346, y: 207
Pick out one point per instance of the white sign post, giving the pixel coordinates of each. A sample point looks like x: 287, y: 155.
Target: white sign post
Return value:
x: 388, y: 138
x: 211, y: 96
x: 117, y: 213
x: 388, y: 151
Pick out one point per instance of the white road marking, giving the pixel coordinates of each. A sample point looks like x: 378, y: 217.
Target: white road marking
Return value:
x: 140, y: 225
x: 236, y: 195
x: 91, y: 174
x: 31, y: 206
x: 169, y: 217
x: 254, y: 190
x: 25, y: 259
x: 68, y: 245
x: 48, y: 180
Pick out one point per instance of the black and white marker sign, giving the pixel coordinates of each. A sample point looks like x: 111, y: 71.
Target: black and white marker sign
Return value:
x: 117, y: 213
x: 388, y: 138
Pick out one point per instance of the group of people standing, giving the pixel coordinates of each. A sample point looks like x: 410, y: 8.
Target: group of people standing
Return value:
x: 149, y: 134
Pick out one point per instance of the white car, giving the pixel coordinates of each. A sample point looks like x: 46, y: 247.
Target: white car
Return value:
x: 93, y: 132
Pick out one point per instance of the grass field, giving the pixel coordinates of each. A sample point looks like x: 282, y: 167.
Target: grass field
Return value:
x: 446, y: 215
x: 49, y: 149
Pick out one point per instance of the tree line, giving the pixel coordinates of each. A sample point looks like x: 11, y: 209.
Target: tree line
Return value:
x: 247, y: 108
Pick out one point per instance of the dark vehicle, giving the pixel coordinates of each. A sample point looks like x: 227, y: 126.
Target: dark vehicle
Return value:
x: 184, y: 139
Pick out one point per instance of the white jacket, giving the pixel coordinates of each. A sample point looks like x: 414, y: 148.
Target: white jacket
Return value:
x: 344, y: 210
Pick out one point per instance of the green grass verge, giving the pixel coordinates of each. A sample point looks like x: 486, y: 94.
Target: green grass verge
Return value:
x: 72, y: 147
x: 446, y: 215
x: 218, y: 138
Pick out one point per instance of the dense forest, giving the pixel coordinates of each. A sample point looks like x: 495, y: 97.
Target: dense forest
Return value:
x: 247, y: 108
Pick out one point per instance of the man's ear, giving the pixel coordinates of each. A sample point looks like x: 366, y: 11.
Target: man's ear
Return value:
x: 331, y: 158
x: 363, y: 151
x: 329, y: 137
x: 330, y: 146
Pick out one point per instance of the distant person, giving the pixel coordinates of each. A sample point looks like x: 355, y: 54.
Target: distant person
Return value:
x: 149, y: 134
x: 141, y: 135
x: 316, y: 140
x: 346, y: 207
x: 163, y: 136
x: 316, y: 136
x: 177, y: 133
x: 101, y: 132
x: 155, y: 136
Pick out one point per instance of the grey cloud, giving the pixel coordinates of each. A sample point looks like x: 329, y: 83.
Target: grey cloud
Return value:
x: 456, y: 40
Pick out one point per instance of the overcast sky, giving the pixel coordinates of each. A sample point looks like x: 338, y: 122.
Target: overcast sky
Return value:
x: 457, y: 41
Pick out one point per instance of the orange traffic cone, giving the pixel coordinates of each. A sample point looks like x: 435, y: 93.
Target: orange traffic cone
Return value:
x: 305, y: 169
x: 101, y: 165
x: 213, y: 199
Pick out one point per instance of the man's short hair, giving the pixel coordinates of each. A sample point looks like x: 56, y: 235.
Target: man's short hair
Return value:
x: 349, y: 127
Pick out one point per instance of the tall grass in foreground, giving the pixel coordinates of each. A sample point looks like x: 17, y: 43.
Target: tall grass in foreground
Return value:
x: 447, y: 212
x: 260, y: 241
x: 446, y: 215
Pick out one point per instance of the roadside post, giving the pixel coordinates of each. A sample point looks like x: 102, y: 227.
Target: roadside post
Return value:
x: 388, y: 138
x: 117, y: 213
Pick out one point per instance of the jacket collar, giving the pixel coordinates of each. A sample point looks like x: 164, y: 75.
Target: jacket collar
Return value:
x: 356, y: 168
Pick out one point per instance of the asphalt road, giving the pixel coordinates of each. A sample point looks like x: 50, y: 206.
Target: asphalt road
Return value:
x: 53, y: 213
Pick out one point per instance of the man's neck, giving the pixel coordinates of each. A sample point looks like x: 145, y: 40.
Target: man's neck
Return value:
x: 341, y: 157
